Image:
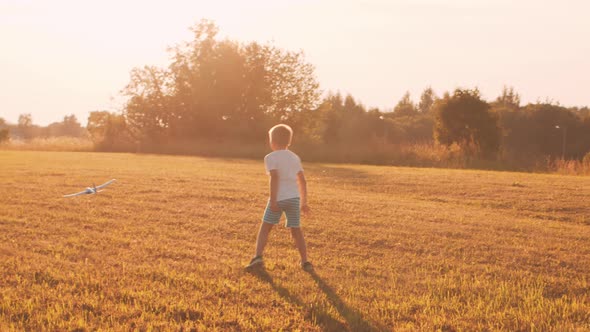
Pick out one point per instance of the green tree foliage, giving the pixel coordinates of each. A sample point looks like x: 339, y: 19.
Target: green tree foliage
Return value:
x: 427, y: 100
x: 25, y: 126
x: 410, y: 129
x: 222, y: 91
x: 541, y: 129
x: 465, y: 119
x: 25, y: 120
x: 331, y: 113
x: 409, y: 123
x: 108, y: 131
x: 4, y: 135
x: 344, y: 121
x: 545, y: 130
x: 148, y: 111
x: 405, y: 107
x: 508, y: 99
x: 219, y: 88
x: 68, y: 127
x: 71, y: 126
x: 4, y: 131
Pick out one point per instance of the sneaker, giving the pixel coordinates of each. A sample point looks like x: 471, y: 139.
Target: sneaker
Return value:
x: 257, y: 260
x: 307, y: 266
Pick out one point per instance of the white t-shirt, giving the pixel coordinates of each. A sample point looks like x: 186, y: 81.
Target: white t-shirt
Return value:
x: 288, y: 166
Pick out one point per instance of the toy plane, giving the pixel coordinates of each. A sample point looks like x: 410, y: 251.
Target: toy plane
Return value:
x: 92, y: 190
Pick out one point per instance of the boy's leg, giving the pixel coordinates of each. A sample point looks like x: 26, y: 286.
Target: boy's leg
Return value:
x: 262, y: 237
x: 269, y: 219
x: 297, y: 234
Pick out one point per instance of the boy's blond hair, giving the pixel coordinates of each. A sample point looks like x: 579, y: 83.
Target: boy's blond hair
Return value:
x: 281, y: 135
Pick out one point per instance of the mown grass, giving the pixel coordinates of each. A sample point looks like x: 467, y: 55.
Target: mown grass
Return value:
x: 380, y: 153
x: 394, y: 248
x: 60, y: 143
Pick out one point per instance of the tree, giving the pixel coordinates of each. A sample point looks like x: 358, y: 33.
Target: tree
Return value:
x: 508, y: 99
x: 465, y: 119
x: 4, y: 135
x: 292, y: 83
x: 68, y: 127
x: 4, y: 132
x: 426, y: 101
x: 584, y: 113
x: 71, y: 127
x: 25, y: 125
x: 330, y: 116
x: 25, y: 120
x: 405, y: 107
x: 108, y: 130
x: 344, y: 121
x: 354, y: 126
x: 411, y: 130
x: 551, y: 130
x: 219, y: 89
x: 148, y: 110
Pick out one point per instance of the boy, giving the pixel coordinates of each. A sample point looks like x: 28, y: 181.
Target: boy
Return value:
x: 288, y: 193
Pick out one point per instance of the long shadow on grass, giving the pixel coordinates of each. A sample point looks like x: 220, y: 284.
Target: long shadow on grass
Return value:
x: 353, y: 318
x: 315, y: 314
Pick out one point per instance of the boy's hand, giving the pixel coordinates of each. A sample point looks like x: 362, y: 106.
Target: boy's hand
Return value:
x: 274, y: 207
x: 305, y: 209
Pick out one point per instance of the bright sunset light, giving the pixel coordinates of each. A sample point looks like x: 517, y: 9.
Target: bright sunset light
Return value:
x: 295, y: 165
x: 73, y: 57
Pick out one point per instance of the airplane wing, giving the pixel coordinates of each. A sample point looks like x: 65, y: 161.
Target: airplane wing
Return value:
x: 76, y: 194
x: 105, y: 184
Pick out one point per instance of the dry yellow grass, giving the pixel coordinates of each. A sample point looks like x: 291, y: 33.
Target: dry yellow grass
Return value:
x: 61, y: 143
x: 394, y: 248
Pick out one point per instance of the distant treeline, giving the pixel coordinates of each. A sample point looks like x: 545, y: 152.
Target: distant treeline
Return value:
x: 25, y: 129
x: 219, y: 97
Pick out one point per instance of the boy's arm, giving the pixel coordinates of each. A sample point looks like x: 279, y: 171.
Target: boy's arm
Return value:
x: 274, y: 189
x: 303, y: 191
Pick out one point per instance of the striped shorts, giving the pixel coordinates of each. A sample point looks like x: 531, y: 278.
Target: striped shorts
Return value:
x: 290, y: 207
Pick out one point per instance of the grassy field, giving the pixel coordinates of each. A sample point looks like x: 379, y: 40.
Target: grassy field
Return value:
x: 394, y: 248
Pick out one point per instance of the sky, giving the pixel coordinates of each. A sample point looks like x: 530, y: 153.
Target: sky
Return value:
x: 65, y: 57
